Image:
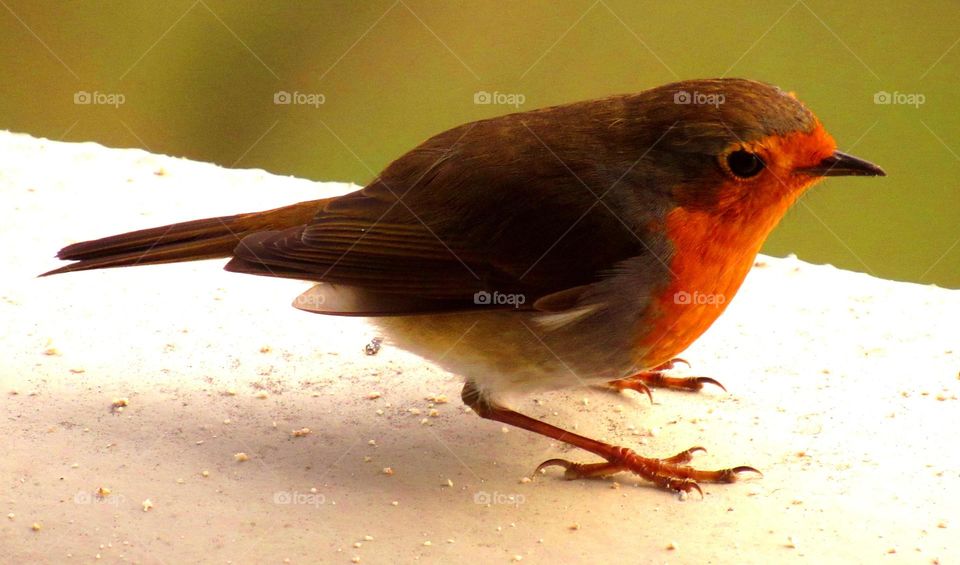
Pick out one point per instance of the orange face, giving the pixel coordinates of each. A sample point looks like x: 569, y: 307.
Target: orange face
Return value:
x: 783, y: 177
x: 714, y: 248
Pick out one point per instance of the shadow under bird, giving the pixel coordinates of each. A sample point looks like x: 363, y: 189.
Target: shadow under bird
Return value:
x: 582, y: 244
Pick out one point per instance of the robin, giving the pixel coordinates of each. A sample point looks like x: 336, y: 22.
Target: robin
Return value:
x: 582, y: 244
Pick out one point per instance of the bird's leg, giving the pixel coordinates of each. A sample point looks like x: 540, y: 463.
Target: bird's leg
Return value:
x: 655, y: 378
x: 671, y: 473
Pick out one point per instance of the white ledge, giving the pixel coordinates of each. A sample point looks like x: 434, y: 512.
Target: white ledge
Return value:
x: 842, y: 389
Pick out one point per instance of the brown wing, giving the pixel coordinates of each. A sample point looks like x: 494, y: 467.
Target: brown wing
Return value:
x: 513, y: 205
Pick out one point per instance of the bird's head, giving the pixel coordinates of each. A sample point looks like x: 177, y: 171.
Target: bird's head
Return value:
x: 737, y: 147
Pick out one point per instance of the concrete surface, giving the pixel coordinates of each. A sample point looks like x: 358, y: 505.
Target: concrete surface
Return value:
x: 842, y: 390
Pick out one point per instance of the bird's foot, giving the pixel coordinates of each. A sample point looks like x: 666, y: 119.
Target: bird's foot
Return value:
x: 645, y: 380
x: 670, y: 473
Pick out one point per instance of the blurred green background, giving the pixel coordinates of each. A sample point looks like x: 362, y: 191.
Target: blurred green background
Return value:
x: 198, y: 79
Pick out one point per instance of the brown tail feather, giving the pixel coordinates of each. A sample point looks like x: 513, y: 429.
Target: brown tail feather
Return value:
x: 208, y: 238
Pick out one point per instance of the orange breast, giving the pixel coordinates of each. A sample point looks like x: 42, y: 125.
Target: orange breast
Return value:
x: 711, y: 258
x: 714, y: 250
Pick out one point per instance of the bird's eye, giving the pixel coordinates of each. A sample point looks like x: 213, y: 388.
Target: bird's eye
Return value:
x: 744, y: 164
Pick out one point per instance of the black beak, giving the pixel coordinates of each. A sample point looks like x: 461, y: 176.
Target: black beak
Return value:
x: 840, y: 165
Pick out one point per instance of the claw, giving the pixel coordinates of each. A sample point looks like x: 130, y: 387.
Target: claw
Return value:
x: 553, y: 463
x: 582, y: 470
x: 732, y: 475
x: 637, y: 386
x: 684, y: 456
x: 672, y: 363
x: 658, y: 378
x: 678, y: 485
x: 687, y: 486
x: 708, y: 381
x: 686, y: 383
